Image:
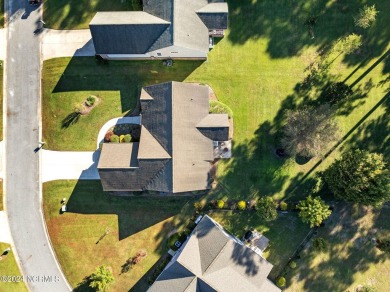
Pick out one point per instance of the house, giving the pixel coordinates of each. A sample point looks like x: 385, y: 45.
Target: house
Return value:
x: 175, y: 150
x: 213, y: 260
x: 164, y: 29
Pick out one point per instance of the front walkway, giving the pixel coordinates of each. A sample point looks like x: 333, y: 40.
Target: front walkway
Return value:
x: 66, y: 43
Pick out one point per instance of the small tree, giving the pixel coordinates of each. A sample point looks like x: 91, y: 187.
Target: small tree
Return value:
x: 360, y: 177
x: 309, y: 132
x: 101, y: 278
x: 349, y: 44
x: 266, y: 208
x: 366, y: 17
x: 313, y: 210
x: 336, y: 92
x: 384, y: 245
x: 320, y: 244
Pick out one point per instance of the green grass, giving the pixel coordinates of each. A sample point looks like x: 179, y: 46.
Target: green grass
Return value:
x: 76, y: 14
x: 352, y: 258
x: 285, y: 234
x: 133, y: 223
x: 8, y: 267
x: 68, y: 82
x: 2, y: 16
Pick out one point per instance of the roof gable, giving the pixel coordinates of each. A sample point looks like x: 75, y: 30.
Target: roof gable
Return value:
x: 149, y: 148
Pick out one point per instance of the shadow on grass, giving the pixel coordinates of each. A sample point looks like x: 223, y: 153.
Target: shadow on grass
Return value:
x: 284, y: 23
x: 88, y: 197
x: 350, y: 232
x: 70, y: 120
x: 127, y: 77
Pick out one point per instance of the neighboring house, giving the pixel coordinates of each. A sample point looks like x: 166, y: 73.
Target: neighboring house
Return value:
x: 213, y: 260
x: 164, y: 29
x: 176, y: 144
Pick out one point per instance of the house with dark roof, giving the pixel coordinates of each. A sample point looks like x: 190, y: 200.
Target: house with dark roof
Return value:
x: 175, y: 149
x: 213, y: 260
x: 164, y: 29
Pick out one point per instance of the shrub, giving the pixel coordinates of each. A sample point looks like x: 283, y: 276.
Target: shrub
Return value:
x: 90, y: 100
x: 384, y: 245
x: 107, y: 137
x: 366, y: 288
x: 217, y: 107
x: 241, y: 205
x: 121, y: 138
x: 281, y: 282
x: 114, y: 138
x: 283, y: 206
x: 320, y: 244
x: 220, y: 204
x: 198, y: 206
x: 313, y: 210
x: 266, y: 208
x: 127, y: 138
x: 292, y: 265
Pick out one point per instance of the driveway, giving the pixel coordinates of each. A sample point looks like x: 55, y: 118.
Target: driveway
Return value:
x: 69, y: 165
x: 66, y: 43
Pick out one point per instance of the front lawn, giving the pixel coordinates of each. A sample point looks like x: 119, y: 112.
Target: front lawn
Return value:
x: 285, y: 233
x: 8, y: 267
x: 100, y: 229
x: 351, y: 259
x: 67, y: 82
x: 77, y: 14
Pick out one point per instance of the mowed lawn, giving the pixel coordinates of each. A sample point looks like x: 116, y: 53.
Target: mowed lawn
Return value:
x: 8, y: 267
x: 1, y: 101
x: 67, y: 82
x: 285, y: 234
x: 100, y: 229
x: 352, y: 258
x: 76, y: 14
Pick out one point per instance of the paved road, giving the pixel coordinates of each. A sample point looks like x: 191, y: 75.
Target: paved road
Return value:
x: 22, y: 184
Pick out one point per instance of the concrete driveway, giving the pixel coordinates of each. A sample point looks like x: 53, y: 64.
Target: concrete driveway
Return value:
x: 69, y: 165
x: 66, y: 43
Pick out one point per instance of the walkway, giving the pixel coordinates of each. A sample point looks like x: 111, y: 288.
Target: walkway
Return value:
x: 66, y: 43
x: 22, y: 187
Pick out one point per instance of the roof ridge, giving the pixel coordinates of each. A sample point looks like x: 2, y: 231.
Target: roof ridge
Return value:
x: 172, y: 119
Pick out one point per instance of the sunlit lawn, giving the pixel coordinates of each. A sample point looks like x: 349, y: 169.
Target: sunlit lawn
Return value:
x: 76, y: 14
x: 352, y: 258
x: 131, y: 224
x: 8, y: 267
x: 68, y: 82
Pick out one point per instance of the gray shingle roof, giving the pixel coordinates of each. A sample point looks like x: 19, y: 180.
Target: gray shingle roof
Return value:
x: 125, y: 32
x: 118, y: 155
x: 162, y: 24
x: 173, y: 155
x: 218, y: 262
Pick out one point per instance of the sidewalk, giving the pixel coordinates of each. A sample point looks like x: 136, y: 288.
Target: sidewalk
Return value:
x: 66, y: 43
x: 69, y: 165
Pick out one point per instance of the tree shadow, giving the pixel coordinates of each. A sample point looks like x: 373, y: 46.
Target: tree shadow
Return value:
x: 127, y: 77
x: 285, y: 24
x: 70, y: 120
x: 352, y: 250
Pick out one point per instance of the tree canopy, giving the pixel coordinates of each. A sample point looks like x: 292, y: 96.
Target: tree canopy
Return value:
x: 313, y: 210
x: 366, y: 17
x: 266, y: 208
x: 101, y: 278
x: 310, y: 131
x: 360, y: 177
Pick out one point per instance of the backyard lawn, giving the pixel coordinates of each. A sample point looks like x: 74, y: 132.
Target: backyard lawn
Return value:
x: 76, y: 14
x: 351, y: 259
x: 100, y: 229
x: 8, y: 267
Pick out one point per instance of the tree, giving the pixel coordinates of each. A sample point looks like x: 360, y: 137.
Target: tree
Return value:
x: 101, y: 278
x: 360, y: 177
x: 266, y: 208
x: 366, y: 17
x: 336, y: 92
x: 309, y: 132
x: 349, y: 44
x: 384, y: 245
x: 313, y: 210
